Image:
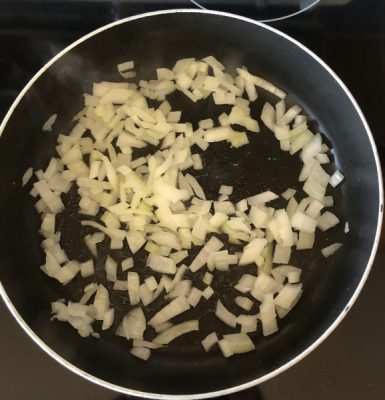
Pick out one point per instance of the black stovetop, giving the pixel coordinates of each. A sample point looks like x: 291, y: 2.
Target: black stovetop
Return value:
x: 350, y: 36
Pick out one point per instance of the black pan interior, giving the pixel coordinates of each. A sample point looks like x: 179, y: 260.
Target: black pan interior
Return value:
x: 160, y: 40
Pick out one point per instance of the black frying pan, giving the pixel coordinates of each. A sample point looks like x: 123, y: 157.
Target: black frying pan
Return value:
x: 159, y: 39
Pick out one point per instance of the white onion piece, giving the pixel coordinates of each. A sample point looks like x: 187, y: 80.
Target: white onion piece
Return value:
x: 288, y: 295
x: 210, y: 247
x: 248, y: 323
x: 47, y: 127
x: 225, y: 347
x: 111, y: 267
x: 108, y: 319
x: 127, y: 263
x: 288, y: 193
x: 244, y: 302
x: 252, y: 251
x: 268, y: 315
x: 225, y: 315
x: 239, y: 343
x: 151, y: 283
x: 346, y: 227
x: 27, y: 176
x: 194, y: 296
x: 305, y: 240
x: 52, y: 201
x: 209, y: 341
x: 208, y: 292
x: 336, y: 178
x: 87, y: 268
x: 175, y: 331
x: 133, y: 284
x: 145, y: 343
x: 171, y: 310
x: 161, y: 264
x: 302, y: 222
x: 245, y: 283
x: 281, y: 254
x: 262, y: 198
x: 330, y: 250
x: 101, y: 302
x: 326, y: 221
x: 141, y: 352
x: 134, y: 324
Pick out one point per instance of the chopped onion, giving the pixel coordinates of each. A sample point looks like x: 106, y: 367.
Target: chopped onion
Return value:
x: 47, y: 127
x: 225, y: 315
x: 171, y: 310
x: 141, y: 352
x: 336, y: 179
x: 330, y: 250
x: 87, y: 268
x: 175, y: 331
x: 327, y: 220
x: 209, y: 341
x: 244, y: 302
x: 152, y: 202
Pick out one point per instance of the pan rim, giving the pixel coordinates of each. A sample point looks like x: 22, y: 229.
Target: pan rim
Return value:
x: 316, y: 343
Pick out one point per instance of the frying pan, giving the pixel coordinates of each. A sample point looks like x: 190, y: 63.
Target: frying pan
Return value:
x: 159, y: 39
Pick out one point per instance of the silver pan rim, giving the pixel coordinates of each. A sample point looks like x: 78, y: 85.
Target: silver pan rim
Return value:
x: 320, y: 339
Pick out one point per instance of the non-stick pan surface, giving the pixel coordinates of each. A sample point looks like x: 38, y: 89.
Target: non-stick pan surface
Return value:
x: 159, y: 39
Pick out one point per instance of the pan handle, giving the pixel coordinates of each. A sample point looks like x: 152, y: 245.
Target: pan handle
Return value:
x: 304, y: 4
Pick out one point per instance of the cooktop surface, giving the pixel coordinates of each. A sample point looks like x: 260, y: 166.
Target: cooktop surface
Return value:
x: 350, y: 36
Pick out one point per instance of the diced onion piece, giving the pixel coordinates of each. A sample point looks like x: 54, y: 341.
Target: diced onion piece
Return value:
x: 133, y: 284
x: 346, y: 227
x: 108, y: 319
x: 305, y: 240
x: 194, y: 296
x: 226, y: 190
x: 245, y: 283
x: 225, y: 315
x: 302, y: 222
x: 161, y: 264
x: 135, y: 240
x: 330, y: 250
x: 326, y: 221
x: 141, y: 352
x: 111, y: 267
x: 288, y: 193
x: 252, y: 251
x: 244, y: 302
x: 133, y: 324
x: 151, y: 283
x: 336, y: 178
x: 262, y: 198
x: 27, y: 176
x: 175, y: 331
x: 87, y: 268
x: 127, y: 263
x: 47, y: 127
x: 268, y: 315
x: 281, y: 254
x: 208, y: 292
x: 288, y: 295
x: 209, y: 341
x: 171, y: 310
x: 125, y: 66
x: 210, y: 247
x: 239, y: 343
x: 101, y: 302
x: 145, y: 343
x: 225, y: 347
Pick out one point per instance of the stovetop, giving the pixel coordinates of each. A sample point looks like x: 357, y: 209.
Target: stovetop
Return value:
x: 350, y: 36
